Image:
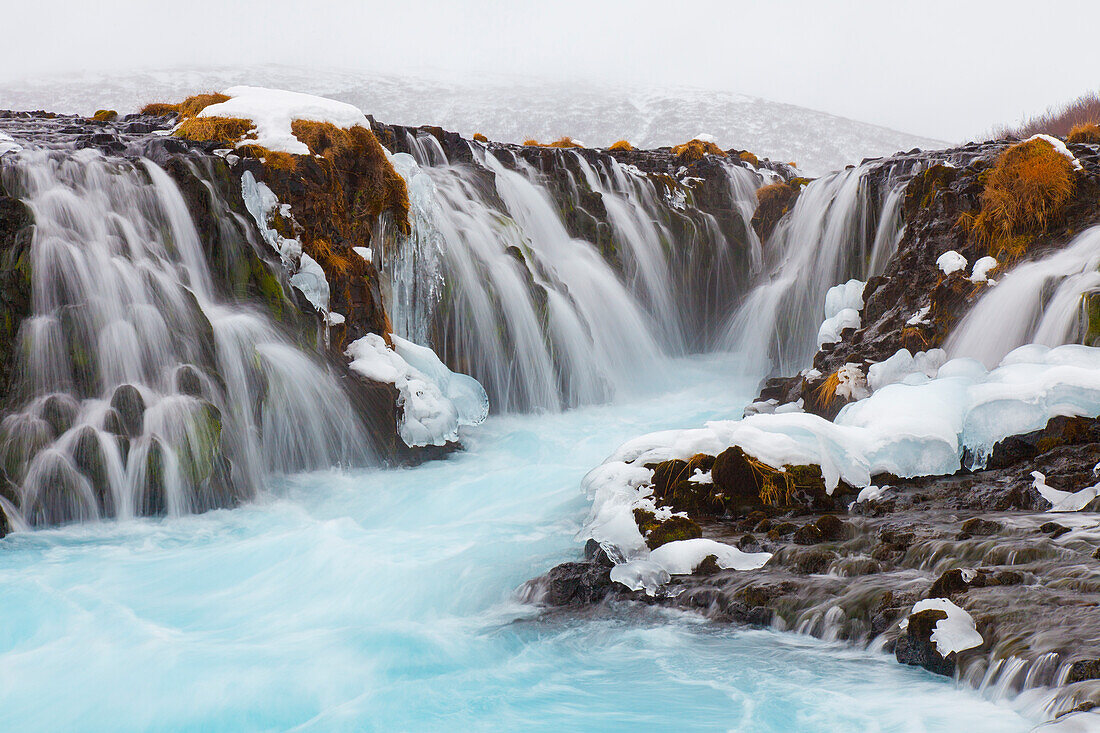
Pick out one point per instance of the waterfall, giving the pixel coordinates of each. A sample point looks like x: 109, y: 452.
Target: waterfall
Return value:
x: 140, y: 388
x: 492, y: 277
x: 1036, y: 302
x: 839, y: 229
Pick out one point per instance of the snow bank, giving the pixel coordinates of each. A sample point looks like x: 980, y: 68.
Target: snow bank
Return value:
x: 434, y: 401
x: 955, y: 633
x: 916, y: 426
x: 842, y: 306
x: 950, y: 261
x: 272, y: 111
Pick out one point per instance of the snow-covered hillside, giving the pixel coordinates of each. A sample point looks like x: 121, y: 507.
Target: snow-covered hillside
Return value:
x: 511, y: 110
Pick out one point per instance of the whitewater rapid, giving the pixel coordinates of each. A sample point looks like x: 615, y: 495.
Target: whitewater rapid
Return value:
x: 385, y: 600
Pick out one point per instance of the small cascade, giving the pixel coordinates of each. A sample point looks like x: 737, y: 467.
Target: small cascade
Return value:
x: 140, y: 389
x: 1037, y: 302
x: 492, y: 277
x: 841, y: 228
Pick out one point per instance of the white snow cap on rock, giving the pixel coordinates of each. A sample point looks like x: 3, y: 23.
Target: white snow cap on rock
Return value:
x: 951, y: 261
x: 955, y: 633
x: 273, y: 110
x: 434, y: 401
x: 682, y: 557
x: 980, y: 273
x: 704, y: 137
x: 905, y: 367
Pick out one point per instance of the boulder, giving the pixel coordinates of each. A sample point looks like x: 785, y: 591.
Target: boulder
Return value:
x: 915, y: 646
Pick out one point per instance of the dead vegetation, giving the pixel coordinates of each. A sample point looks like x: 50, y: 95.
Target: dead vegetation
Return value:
x: 1025, y: 190
x: 694, y: 150
x: 621, y: 145
x: 216, y: 129
x: 1088, y: 132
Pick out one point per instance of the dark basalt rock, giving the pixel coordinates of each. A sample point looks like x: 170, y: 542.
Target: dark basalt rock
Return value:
x: 981, y: 527
x: 576, y: 584
x: 128, y: 403
x: 1083, y: 669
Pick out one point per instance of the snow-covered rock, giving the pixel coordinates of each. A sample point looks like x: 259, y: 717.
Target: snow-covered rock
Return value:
x: 955, y: 633
x: 950, y: 261
x: 434, y: 401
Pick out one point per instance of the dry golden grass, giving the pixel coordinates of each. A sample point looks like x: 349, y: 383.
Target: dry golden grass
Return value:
x: 1088, y: 132
x: 694, y: 150
x: 1024, y: 190
x: 272, y: 158
x: 105, y: 115
x: 160, y: 109
x: 564, y: 142
x: 480, y: 138
x: 750, y: 158
x: 825, y: 393
x: 532, y: 143
x: 768, y: 195
x: 357, y: 153
x: 191, y: 106
x: 776, y: 487
x: 621, y: 145
x: 216, y: 129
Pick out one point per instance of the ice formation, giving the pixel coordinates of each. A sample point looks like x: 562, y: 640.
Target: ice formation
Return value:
x: 1064, y: 501
x: 842, y: 306
x: 980, y: 273
x: 915, y: 426
x: 434, y: 401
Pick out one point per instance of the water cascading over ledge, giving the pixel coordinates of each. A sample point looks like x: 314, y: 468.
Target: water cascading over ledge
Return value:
x: 560, y: 277
x: 145, y: 380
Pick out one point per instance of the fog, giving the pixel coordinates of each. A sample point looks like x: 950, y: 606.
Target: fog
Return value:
x: 948, y: 70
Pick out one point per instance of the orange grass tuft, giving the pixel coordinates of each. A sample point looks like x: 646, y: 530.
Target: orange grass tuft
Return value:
x: 1024, y: 190
x: 694, y: 150
x: 217, y: 129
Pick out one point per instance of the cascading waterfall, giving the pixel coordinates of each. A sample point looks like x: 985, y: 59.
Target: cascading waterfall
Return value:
x: 1037, y: 302
x: 838, y: 230
x: 142, y: 390
x: 543, y: 319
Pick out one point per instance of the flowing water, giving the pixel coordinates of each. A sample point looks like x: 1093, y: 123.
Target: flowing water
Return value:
x: 384, y: 600
x: 1038, y: 302
x: 143, y: 390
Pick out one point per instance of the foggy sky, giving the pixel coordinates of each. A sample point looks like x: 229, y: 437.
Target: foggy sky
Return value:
x: 944, y: 69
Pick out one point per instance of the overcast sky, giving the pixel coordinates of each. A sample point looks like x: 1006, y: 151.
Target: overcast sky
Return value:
x: 944, y: 69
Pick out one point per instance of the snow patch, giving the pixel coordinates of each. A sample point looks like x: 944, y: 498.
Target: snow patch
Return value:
x: 980, y: 273
x: 273, y: 110
x: 950, y: 261
x: 683, y: 556
x: 842, y: 306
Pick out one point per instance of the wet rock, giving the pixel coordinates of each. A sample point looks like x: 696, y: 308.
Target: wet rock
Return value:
x: 59, y: 411
x: 1059, y: 431
x: 672, y: 529
x: 576, y: 584
x: 1053, y: 529
x: 814, y: 561
x: 808, y: 535
x: 708, y: 566
x: 981, y: 527
x: 915, y: 646
x: 130, y: 406
x: 188, y: 381
x: 666, y: 474
x: 153, y: 496
x: 1083, y: 669
x: 748, y: 543
x: 90, y: 459
x: 832, y: 528
x: 735, y: 477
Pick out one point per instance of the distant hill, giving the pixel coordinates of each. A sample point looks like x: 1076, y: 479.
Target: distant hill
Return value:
x: 511, y: 110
